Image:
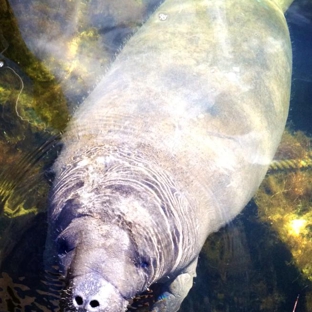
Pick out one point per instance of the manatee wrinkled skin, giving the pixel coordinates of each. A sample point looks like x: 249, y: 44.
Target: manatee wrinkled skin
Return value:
x: 170, y: 146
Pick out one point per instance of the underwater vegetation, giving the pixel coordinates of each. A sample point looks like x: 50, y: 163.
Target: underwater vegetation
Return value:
x: 27, y: 89
x: 284, y: 201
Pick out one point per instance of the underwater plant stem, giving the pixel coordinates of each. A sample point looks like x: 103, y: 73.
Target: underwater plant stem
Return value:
x: 296, y: 302
x: 2, y: 64
x: 20, y: 92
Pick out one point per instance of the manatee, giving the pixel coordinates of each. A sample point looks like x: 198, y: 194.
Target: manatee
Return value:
x: 169, y: 147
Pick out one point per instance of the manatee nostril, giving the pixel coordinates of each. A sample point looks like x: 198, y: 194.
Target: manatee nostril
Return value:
x: 79, y: 300
x: 94, y: 303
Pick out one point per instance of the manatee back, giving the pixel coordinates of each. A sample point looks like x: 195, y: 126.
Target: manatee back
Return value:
x: 202, y: 93
x: 170, y: 146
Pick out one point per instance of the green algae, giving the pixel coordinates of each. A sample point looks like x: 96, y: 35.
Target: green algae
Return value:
x: 42, y: 105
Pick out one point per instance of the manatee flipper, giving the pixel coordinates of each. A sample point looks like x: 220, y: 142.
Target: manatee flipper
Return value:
x: 175, y: 291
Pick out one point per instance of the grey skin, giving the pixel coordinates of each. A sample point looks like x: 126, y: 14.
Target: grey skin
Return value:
x: 169, y: 147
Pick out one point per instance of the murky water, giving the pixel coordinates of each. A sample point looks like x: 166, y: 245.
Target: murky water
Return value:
x: 257, y: 263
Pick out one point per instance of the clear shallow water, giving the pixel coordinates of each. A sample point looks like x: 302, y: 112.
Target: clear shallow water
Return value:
x: 245, y: 267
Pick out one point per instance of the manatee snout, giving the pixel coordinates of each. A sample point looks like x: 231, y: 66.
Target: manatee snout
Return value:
x: 93, y: 293
x: 87, y: 250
